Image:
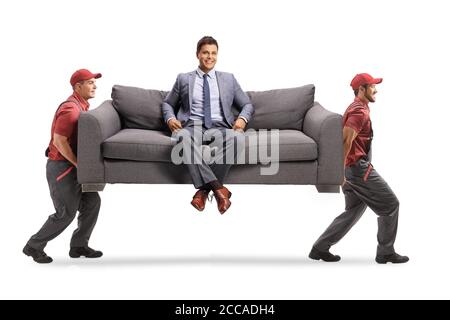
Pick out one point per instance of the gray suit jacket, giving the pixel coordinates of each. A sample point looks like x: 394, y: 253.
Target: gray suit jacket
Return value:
x: 179, y: 100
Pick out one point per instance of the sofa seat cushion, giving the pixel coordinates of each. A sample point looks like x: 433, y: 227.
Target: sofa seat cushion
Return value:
x: 293, y: 145
x: 151, y: 145
x: 139, y: 145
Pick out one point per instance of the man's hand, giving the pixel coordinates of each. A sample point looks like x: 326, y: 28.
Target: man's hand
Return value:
x: 174, y: 125
x: 239, y: 124
x: 62, y: 144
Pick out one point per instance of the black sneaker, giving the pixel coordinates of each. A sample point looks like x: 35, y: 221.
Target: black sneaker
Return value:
x: 393, y: 258
x: 38, y: 255
x: 76, y: 252
x: 326, y: 256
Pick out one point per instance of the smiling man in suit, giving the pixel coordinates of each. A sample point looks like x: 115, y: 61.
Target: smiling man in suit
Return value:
x: 201, y: 101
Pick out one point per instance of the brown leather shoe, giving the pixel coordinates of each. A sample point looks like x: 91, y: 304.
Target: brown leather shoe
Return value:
x: 223, y: 196
x: 199, y: 199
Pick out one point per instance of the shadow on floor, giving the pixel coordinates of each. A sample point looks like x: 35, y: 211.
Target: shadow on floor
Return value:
x: 205, y: 261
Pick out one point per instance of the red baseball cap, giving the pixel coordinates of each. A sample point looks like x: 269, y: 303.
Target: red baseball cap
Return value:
x: 83, y: 74
x: 364, y: 78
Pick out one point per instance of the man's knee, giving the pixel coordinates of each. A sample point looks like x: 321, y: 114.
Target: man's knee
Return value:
x: 391, y: 201
x: 91, y: 202
x: 356, y: 209
x: 390, y: 206
x: 64, y: 214
x: 395, y: 204
x: 96, y: 200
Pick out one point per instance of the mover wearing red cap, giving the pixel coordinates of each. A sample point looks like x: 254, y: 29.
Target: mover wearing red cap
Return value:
x: 83, y: 75
x: 364, y: 79
x: 62, y: 177
x: 363, y: 186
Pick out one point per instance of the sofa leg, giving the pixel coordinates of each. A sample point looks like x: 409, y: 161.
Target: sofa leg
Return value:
x: 328, y: 188
x: 92, y: 187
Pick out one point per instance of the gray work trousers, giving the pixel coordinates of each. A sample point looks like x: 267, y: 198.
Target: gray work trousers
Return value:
x: 203, y: 173
x: 67, y: 200
x: 364, y: 188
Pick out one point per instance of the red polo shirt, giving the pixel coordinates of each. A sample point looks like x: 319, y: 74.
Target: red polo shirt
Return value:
x: 357, y: 117
x: 65, y: 123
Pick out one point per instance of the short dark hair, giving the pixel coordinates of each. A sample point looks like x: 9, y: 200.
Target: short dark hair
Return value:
x: 80, y: 82
x: 206, y: 40
x: 357, y: 90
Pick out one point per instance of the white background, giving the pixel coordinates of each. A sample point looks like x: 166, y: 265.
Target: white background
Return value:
x: 156, y: 246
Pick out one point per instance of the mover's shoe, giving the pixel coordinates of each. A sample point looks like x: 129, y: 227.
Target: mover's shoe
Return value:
x: 326, y: 256
x: 76, y: 252
x: 393, y: 258
x: 38, y: 255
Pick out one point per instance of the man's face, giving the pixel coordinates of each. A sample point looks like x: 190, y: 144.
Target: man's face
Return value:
x: 371, y: 92
x: 207, y: 57
x: 86, y: 88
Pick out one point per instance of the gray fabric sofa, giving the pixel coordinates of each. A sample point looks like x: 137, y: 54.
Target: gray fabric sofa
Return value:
x: 125, y: 140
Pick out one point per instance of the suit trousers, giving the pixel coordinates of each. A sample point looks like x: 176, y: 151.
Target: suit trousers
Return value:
x: 67, y: 199
x: 364, y: 188
x: 224, y: 154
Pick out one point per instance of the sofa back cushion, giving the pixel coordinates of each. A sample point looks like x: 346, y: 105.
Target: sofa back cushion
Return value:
x: 139, y: 108
x: 282, y: 108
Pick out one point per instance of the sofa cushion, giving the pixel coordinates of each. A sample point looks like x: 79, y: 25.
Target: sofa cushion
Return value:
x: 139, y: 145
x: 293, y: 145
x: 282, y: 108
x: 150, y: 145
x: 139, y: 108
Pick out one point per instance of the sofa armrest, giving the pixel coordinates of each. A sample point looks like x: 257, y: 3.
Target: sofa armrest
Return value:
x: 325, y: 128
x: 94, y: 127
